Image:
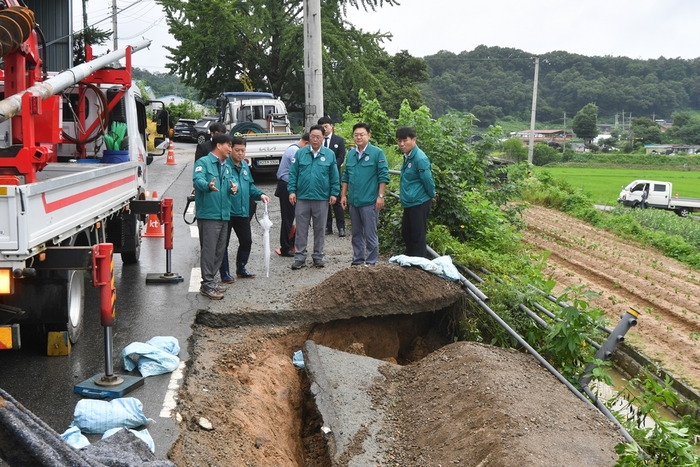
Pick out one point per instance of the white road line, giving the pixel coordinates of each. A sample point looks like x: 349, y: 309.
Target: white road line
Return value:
x: 170, y: 400
x: 195, y: 280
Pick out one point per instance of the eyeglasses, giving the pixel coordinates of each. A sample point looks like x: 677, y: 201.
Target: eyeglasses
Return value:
x: 360, y: 135
x: 316, y: 136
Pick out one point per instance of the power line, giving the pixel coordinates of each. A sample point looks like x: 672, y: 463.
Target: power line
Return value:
x: 141, y: 32
x: 92, y: 25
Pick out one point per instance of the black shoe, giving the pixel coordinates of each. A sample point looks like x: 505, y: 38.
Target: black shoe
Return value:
x: 298, y: 264
x: 329, y: 231
x: 318, y: 263
x: 288, y: 253
x: 244, y: 274
x: 341, y: 232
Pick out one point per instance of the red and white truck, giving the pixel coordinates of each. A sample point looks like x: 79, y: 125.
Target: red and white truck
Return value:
x: 60, y: 193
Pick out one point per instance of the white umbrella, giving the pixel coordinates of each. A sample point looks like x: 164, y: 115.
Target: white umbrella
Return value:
x: 266, y: 223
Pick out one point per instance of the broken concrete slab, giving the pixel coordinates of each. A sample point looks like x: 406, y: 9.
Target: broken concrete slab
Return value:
x: 340, y: 383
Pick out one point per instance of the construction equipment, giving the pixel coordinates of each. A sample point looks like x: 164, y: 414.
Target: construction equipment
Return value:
x: 58, y: 195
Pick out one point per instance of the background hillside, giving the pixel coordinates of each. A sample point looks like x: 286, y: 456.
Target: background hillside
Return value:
x: 495, y: 82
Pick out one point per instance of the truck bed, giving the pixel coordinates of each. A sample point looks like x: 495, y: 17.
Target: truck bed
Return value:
x: 684, y: 203
x: 68, y: 198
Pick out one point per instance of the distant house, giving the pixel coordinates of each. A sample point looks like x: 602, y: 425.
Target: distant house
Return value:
x: 543, y: 136
x: 605, y: 127
x: 671, y: 149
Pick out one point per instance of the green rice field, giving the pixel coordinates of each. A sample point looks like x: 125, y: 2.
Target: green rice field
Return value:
x: 604, y: 185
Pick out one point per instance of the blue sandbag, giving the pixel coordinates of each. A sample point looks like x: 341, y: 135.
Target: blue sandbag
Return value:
x: 75, y: 438
x: 441, y: 266
x: 298, y: 360
x: 155, y: 357
x: 96, y: 416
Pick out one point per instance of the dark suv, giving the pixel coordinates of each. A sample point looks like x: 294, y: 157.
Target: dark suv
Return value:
x: 185, y: 131
x: 202, y: 129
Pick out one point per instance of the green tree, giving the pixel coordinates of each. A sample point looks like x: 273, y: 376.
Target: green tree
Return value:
x: 585, y: 123
x: 515, y: 150
x: 92, y: 36
x: 543, y: 154
x: 647, y: 130
x: 184, y: 110
x: 486, y: 114
x: 257, y: 45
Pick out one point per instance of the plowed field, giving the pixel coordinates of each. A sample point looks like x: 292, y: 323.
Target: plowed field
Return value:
x: 625, y: 274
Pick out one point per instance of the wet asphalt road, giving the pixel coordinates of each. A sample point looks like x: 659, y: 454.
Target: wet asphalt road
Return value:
x: 44, y: 384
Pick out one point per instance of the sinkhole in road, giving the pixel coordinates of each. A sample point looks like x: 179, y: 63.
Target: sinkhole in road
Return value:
x: 261, y: 406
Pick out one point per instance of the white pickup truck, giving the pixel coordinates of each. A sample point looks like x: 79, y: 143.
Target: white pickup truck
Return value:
x: 262, y: 119
x: 659, y: 195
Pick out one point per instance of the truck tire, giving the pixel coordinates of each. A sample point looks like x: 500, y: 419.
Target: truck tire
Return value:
x: 74, y: 303
x: 53, y: 302
x: 132, y: 256
x: 683, y: 212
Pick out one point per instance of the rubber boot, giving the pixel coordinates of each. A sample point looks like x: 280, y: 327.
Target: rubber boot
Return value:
x: 224, y: 272
x: 241, y: 261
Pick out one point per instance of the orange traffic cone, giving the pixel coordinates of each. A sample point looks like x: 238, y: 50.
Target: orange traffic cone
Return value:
x: 154, y: 228
x: 171, y: 155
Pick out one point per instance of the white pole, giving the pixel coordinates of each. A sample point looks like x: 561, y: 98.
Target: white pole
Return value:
x: 313, y: 63
x: 114, y: 25
x: 531, y: 145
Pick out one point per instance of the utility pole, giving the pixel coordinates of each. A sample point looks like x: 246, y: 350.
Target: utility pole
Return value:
x: 115, y: 45
x: 531, y: 145
x: 313, y: 63
x: 563, y: 145
x: 85, y: 22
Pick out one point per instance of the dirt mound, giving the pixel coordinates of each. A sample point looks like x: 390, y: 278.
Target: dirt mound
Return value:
x: 383, y: 289
x: 474, y: 405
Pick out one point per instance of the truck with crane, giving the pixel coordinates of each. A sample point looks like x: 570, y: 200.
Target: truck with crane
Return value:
x: 62, y: 190
x: 263, y: 120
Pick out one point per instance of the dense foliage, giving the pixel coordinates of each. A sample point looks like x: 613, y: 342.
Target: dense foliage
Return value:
x: 258, y: 45
x: 502, y: 78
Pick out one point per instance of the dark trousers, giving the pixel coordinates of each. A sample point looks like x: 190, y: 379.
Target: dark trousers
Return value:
x: 339, y: 216
x: 287, y: 212
x: 414, y: 226
x: 240, y: 225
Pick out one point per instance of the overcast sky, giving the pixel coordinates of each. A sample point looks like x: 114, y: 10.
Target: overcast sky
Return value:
x: 632, y: 28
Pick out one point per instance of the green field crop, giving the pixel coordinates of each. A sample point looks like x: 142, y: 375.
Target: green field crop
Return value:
x: 604, y: 185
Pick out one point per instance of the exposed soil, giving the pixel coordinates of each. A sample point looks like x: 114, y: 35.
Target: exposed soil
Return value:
x: 666, y: 292
x: 459, y: 403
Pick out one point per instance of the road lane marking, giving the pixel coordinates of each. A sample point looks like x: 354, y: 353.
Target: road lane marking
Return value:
x: 170, y: 399
x: 195, y: 280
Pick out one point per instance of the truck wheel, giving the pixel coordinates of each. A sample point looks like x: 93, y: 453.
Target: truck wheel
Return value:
x: 74, y: 303
x: 68, y: 313
x: 132, y: 256
x: 683, y: 212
